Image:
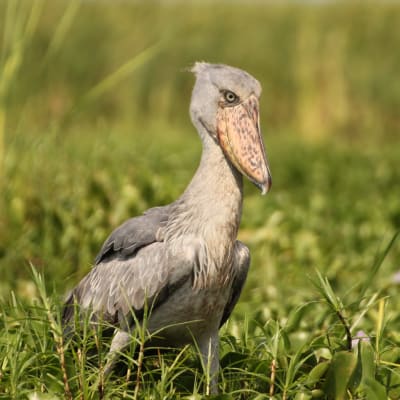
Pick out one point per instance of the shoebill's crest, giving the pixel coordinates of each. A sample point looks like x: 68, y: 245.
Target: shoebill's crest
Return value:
x: 182, y: 260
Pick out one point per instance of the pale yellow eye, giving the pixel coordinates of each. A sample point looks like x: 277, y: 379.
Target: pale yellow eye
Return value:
x: 230, y: 97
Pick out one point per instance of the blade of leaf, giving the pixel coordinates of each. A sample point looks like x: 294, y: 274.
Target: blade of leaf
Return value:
x: 378, y: 262
x: 339, y: 374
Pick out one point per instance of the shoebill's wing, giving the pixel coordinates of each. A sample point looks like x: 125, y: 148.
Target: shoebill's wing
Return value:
x: 134, y: 269
x: 134, y: 234
x: 241, y: 267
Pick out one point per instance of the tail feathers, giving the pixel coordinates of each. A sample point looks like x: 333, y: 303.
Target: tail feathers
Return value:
x: 68, y: 314
x: 73, y: 316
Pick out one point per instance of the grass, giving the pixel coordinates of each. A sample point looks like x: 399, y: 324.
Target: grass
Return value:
x: 94, y: 129
x: 265, y: 359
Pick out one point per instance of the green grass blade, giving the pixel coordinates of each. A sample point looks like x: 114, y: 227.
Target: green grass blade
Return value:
x: 121, y: 73
x: 377, y: 264
x: 63, y: 28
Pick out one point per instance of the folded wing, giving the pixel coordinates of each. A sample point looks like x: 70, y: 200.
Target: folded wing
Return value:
x: 132, y: 270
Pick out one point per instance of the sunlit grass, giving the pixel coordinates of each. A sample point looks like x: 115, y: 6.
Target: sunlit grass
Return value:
x: 20, y: 24
x: 262, y: 359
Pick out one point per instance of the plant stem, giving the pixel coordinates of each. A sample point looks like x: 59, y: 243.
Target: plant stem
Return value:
x: 2, y: 144
x: 346, y: 328
x: 273, y: 375
x: 139, y: 368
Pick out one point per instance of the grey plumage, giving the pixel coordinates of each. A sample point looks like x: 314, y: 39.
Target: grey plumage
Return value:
x: 134, y: 234
x: 183, y: 260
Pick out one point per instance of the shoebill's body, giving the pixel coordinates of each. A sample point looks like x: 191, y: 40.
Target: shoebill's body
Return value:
x: 183, y: 260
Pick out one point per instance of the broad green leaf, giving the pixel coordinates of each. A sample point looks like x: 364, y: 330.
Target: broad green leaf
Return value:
x: 373, y: 390
x: 339, y: 374
x: 303, y: 396
x: 317, y: 373
x: 317, y: 394
x: 369, y: 386
x: 367, y: 361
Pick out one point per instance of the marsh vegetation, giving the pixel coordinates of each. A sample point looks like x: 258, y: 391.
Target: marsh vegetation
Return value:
x: 94, y: 128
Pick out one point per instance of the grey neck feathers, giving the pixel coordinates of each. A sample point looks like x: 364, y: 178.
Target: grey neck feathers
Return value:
x: 209, y: 210
x: 213, y: 199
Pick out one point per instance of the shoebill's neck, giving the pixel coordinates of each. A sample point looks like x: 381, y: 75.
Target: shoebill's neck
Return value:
x: 209, y: 211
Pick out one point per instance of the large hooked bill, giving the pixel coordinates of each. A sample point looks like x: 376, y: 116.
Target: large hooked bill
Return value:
x: 239, y: 136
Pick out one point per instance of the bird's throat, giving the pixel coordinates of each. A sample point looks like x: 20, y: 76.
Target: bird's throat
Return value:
x: 210, y: 211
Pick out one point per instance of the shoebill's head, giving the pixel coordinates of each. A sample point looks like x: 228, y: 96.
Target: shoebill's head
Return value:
x: 225, y: 106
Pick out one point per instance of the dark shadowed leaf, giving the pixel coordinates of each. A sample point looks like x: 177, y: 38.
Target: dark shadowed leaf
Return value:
x: 339, y: 374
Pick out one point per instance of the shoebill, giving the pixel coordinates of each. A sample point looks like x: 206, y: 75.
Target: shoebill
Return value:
x: 182, y: 261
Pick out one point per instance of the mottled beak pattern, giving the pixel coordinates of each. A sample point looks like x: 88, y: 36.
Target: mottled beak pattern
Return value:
x: 239, y: 135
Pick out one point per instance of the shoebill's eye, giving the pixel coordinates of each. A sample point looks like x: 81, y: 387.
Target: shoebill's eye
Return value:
x: 230, y: 97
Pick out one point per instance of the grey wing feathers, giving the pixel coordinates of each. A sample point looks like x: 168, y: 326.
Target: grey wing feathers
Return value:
x: 116, y: 288
x: 99, y: 287
x: 134, y: 234
x: 118, y: 284
x: 242, y: 263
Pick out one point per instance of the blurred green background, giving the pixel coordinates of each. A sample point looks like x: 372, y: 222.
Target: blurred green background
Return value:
x: 94, y: 128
